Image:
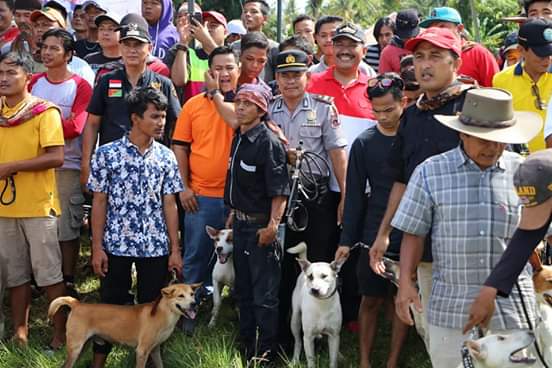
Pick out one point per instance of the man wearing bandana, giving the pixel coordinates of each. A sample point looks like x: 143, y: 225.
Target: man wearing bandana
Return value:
x: 257, y: 185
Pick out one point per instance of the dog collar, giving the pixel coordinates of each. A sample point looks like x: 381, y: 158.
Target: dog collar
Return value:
x: 331, y: 294
x: 467, y: 361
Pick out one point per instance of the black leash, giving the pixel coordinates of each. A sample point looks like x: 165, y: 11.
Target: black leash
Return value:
x: 8, y: 181
x: 524, y: 307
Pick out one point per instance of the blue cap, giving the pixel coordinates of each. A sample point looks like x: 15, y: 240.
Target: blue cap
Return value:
x: 443, y: 14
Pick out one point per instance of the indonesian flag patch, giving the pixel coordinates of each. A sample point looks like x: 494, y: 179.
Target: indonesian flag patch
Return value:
x: 115, y: 88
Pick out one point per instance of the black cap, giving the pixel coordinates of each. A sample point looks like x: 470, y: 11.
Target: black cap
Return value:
x: 511, y: 41
x: 59, y: 7
x: 351, y: 31
x: 134, y: 26
x: 533, y: 178
x: 27, y: 5
x: 536, y: 34
x: 407, y: 24
x: 292, y: 61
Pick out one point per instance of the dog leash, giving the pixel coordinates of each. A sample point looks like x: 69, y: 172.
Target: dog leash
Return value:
x: 467, y: 360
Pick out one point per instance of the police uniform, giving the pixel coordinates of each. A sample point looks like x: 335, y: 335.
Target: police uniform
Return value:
x: 257, y: 173
x: 315, y: 123
x: 108, y: 98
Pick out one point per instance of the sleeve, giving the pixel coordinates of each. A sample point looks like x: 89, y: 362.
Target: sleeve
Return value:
x: 332, y: 131
x: 355, y: 197
x: 172, y: 182
x: 183, y: 126
x: 98, y: 101
x: 487, y: 68
x: 513, y: 260
x: 548, y: 121
x: 74, y: 125
x: 173, y: 110
x: 415, y: 212
x: 99, y: 179
x: 34, y: 78
x: 385, y: 61
x: 395, y: 160
x: 275, y: 169
x: 51, y: 130
x: 169, y: 57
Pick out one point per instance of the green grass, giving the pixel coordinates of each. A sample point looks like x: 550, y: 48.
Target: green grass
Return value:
x: 208, y: 348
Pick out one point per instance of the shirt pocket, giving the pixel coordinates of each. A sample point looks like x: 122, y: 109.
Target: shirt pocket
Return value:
x: 310, y: 131
x: 505, y: 214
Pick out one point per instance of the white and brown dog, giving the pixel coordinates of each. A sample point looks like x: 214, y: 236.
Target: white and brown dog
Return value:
x: 223, y: 271
x: 144, y: 327
x: 542, y: 281
x: 315, y: 306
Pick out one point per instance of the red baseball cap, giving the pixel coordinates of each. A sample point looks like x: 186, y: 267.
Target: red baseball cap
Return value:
x: 218, y: 17
x: 439, y: 37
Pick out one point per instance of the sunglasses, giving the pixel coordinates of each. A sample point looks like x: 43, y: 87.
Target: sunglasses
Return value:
x: 386, y: 83
x: 539, y: 104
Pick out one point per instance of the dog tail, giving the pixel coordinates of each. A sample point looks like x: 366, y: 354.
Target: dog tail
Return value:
x: 300, y: 249
x: 60, y: 302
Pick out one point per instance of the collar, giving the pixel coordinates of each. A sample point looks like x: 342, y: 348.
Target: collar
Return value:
x: 518, y: 69
x: 253, y: 133
x: 467, y: 360
x: 331, y: 294
x: 280, y: 105
x: 460, y: 158
x: 126, y: 141
x: 144, y: 79
x: 362, y: 78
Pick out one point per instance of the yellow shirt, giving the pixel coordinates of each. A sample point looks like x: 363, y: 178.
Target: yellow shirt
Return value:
x: 515, y: 80
x: 36, y: 190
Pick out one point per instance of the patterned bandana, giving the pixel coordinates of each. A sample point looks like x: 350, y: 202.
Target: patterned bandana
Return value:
x: 28, y: 110
x: 450, y: 93
x: 256, y: 94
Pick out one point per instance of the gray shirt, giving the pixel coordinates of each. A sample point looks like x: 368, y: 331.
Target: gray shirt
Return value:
x: 315, y: 122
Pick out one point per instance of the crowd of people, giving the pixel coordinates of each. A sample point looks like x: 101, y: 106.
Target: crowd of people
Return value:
x: 169, y: 121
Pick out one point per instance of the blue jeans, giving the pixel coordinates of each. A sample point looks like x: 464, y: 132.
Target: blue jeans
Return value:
x: 198, y: 246
x: 256, y: 287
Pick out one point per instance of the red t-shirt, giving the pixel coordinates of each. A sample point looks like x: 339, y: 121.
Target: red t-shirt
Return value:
x: 478, y: 63
x: 390, y: 59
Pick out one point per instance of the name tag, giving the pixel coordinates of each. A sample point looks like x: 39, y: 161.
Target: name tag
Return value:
x: 248, y: 168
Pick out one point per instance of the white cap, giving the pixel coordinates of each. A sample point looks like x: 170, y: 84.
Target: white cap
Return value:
x: 236, y: 26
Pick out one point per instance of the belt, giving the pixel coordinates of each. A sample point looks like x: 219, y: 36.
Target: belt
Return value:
x: 255, y: 218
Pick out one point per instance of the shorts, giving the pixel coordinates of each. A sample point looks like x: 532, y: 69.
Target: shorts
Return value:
x: 30, y: 246
x: 369, y: 283
x: 71, y: 201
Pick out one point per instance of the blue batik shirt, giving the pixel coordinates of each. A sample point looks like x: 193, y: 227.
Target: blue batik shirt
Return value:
x: 135, y: 184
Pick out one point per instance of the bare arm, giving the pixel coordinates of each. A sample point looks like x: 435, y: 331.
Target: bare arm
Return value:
x: 548, y: 141
x: 268, y: 234
x: 187, y: 197
x: 171, y: 218
x: 179, y: 70
x: 412, y: 250
x: 226, y: 110
x: 99, y: 211
x: 52, y: 157
x: 89, y: 140
x: 339, y: 164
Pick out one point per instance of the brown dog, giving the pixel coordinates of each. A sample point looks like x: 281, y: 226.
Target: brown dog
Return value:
x: 144, y: 326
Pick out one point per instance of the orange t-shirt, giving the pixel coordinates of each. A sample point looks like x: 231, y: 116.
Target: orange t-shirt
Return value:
x: 210, y: 139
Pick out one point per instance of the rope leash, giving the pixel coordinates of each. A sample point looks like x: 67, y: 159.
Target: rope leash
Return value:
x: 8, y: 181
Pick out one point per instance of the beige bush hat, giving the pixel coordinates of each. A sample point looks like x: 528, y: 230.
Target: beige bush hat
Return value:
x: 488, y: 113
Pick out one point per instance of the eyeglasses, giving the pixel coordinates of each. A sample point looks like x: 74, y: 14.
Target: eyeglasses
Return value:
x: 539, y: 104
x: 386, y: 83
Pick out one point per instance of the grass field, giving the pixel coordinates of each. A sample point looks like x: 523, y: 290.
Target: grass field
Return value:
x: 208, y: 348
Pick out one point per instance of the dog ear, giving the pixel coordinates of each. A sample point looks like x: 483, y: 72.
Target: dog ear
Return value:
x: 305, y: 264
x: 211, y: 231
x: 196, y: 286
x: 167, y: 291
x: 477, y: 351
x: 535, y: 262
x: 337, y: 264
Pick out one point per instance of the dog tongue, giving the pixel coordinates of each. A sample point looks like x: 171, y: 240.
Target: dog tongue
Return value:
x: 191, y: 313
x: 223, y: 258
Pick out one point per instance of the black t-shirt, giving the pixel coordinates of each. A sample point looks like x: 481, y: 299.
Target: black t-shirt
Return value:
x: 257, y: 171
x: 108, y: 101
x: 97, y: 59
x: 84, y: 48
x: 369, y: 183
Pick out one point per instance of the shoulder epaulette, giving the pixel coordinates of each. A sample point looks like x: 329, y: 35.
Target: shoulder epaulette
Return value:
x: 323, y: 98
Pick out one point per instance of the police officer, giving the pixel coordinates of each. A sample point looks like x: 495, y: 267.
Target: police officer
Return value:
x: 313, y: 121
x: 108, y: 112
x: 257, y: 186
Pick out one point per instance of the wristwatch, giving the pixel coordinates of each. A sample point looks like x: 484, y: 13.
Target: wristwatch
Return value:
x: 181, y: 47
x: 212, y: 92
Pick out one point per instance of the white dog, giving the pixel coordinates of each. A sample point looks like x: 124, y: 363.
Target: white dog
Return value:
x: 223, y: 272
x: 499, y: 351
x: 542, y: 281
x: 316, y: 308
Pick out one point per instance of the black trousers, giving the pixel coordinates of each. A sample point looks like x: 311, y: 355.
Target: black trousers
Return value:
x: 114, y: 289
x: 256, y: 287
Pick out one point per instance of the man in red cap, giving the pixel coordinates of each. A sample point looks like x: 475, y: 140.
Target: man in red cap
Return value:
x: 436, y: 62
